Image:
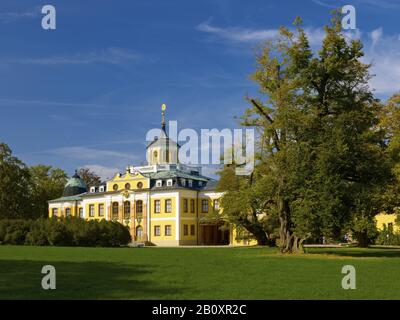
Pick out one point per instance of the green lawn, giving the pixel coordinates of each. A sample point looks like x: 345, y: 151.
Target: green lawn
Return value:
x: 197, y: 273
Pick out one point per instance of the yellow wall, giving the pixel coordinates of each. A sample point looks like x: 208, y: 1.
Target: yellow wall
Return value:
x: 244, y: 242
x: 210, y: 205
x: 96, y: 210
x: 162, y: 224
x: 188, y: 213
x: 132, y: 179
x: 385, y: 219
x: 62, y: 211
x: 162, y: 213
x: 188, y: 222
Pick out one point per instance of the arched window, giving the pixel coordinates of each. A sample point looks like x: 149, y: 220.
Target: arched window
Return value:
x: 139, y: 232
x: 139, y: 207
x: 115, y: 210
x: 127, y: 210
x: 127, y: 186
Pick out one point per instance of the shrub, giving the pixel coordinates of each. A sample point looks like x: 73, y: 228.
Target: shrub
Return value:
x: 14, y: 231
x: 388, y: 237
x: 64, y: 232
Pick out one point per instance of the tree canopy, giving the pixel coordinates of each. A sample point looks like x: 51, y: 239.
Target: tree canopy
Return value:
x: 322, y: 164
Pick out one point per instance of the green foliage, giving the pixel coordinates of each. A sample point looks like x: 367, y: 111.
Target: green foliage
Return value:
x: 388, y: 237
x: 14, y: 186
x: 246, y: 205
x: 90, y: 178
x: 46, y: 183
x: 24, y: 191
x: 64, y: 232
x: 322, y: 163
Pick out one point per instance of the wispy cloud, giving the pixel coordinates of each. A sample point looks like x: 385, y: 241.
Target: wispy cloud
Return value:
x: 238, y: 34
x: 109, y: 56
x: 7, y: 17
x: 247, y: 35
x: 384, y: 4
x: 103, y: 172
x: 7, y: 102
x: 382, y: 50
x: 85, y: 153
x: 324, y: 4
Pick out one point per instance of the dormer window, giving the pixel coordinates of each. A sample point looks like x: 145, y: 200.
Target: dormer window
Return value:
x: 92, y: 189
x: 159, y: 183
x: 169, y: 182
x: 183, y: 181
x: 190, y: 183
x: 101, y: 189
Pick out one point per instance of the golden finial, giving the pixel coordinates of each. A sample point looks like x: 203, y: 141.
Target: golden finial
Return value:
x: 163, y: 108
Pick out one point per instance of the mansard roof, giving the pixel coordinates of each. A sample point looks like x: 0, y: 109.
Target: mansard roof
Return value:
x: 69, y: 198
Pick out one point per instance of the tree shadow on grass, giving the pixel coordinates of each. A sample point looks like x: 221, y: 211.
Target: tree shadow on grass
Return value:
x: 381, y: 252
x: 21, y: 279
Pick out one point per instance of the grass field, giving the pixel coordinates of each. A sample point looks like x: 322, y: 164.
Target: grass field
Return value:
x: 197, y: 273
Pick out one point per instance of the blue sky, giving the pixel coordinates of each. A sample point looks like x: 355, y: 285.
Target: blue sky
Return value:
x: 86, y: 93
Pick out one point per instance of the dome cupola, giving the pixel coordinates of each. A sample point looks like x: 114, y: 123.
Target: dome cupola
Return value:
x: 162, y: 150
x: 74, y: 186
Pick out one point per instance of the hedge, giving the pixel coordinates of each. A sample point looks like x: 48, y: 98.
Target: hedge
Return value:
x: 64, y: 232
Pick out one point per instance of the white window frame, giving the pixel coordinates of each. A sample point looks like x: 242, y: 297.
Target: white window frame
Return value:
x: 92, y: 189
x: 157, y: 206
x: 101, y: 189
x: 91, y: 210
x: 168, y: 228
x: 169, y: 183
x: 159, y: 183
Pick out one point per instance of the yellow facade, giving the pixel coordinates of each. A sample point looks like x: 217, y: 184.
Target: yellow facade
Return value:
x: 135, y: 180
x: 384, y: 219
x: 238, y: 240
x: 189, y: 229
x: 162, y: 203
x: 163, y: 235
x: 159, y: 207
x: 95, y: 213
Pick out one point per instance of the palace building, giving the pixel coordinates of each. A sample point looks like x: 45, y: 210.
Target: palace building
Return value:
x: 162, y: 203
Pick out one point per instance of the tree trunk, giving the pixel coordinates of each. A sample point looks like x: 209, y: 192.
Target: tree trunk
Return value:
x: 289, y: 243
x: 259, y: 234
x: 256, y: 230
x: 362, y: 239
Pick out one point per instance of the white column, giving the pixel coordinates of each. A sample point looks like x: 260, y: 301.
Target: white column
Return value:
x: 108, y: 204
x: 148, y: 215
x: 178, y: 217
x: 84, y: 210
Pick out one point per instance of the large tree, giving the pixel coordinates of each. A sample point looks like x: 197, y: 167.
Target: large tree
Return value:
x: 14, y: 186
x: 321, y: 149
x: 390, y: 123
x: 246, y: 206
x: 46, y: 183
x: 89, y: 176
